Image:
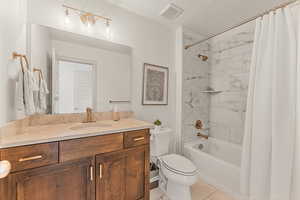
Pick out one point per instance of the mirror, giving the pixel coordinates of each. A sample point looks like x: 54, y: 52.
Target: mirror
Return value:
x: 76, y: 94
x: 80, y: 71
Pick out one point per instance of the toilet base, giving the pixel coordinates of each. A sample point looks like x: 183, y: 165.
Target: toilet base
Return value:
x: 177, y: 191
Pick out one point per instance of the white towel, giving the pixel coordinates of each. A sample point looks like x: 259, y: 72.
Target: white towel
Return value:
x: 25, y: 87
x: 43, y: 95
x: 30, y: 86
x: 40, y: 96
x: 19, y: 97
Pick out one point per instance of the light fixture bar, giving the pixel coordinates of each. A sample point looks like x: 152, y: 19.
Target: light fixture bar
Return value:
x: 87, y: 13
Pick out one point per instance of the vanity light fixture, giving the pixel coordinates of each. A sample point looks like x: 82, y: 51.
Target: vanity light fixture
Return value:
x: 108, y: 34
x: 67, y: 17
x: 87, y: 18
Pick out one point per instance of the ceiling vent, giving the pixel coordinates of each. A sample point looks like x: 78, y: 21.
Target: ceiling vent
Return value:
x: 171, y: 12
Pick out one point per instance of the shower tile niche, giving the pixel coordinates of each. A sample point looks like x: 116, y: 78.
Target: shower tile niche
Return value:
x: 227, y: 70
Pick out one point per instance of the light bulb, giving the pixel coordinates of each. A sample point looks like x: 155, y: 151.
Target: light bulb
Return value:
x: 108, y: 31
x: 67, y: 20
x: 67, y: 17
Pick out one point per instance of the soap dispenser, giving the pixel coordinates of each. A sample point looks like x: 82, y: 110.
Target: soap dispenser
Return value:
x: 116, y: 114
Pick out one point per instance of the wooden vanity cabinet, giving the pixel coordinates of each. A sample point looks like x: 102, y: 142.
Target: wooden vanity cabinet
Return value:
x: 137, y: 173
x: 123, y: 175
x: 110, y: 176
x: 111, y: 167
x: 73, y: 181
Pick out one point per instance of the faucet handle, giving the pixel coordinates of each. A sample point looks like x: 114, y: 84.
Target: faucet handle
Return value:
x: 89, y: 115
x: 5, y: 168
x: 199, y: 125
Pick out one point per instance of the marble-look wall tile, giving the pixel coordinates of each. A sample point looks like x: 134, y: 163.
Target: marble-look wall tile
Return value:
x: 230, y: 62
x: 195, y: 79
x: 227, y: 70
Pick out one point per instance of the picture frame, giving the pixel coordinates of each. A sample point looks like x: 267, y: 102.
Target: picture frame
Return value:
x: 155, y: 85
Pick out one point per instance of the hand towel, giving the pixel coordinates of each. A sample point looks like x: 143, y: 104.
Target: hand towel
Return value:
x: 19, y: 96
x: 41, y: 96
x: 30, y: 86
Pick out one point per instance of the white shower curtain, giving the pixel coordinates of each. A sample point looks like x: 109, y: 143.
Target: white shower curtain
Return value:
x: 268, y: 164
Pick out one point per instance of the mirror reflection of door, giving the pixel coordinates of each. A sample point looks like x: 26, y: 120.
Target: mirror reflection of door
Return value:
x: 75, y: 91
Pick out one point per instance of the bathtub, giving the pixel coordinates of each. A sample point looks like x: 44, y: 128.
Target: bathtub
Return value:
x: 218, y: 163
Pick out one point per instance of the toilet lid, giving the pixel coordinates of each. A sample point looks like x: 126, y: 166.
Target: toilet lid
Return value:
x: 179, y: 164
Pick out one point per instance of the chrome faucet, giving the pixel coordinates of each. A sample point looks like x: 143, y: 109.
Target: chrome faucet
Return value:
x: 89, y: 116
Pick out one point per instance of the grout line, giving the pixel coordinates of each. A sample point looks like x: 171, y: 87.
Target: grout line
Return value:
x: 210, y: 194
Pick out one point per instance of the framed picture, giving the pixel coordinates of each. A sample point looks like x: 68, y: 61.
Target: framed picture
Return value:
x: 155, y: 85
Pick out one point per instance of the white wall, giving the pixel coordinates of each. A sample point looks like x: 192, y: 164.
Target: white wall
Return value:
x: 12, y: 38
x: 151, y: 43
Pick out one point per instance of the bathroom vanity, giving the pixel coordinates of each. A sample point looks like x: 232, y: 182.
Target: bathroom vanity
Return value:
x: 77, y: 162
x: 56, y: 156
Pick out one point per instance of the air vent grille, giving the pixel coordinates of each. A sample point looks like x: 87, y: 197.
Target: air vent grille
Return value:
x: 172, y: 11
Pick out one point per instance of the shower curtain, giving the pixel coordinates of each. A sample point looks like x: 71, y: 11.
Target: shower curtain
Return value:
x: 269, y: 162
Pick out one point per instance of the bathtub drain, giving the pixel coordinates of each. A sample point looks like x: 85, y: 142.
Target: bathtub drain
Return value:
x: 201, y: 146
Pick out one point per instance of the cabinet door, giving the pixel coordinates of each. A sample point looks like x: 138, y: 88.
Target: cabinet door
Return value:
x: 72, y: 181
x: 110, y: 180
x: 137, y: 173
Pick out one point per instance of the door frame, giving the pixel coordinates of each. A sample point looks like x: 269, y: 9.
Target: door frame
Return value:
x: 55, y: 78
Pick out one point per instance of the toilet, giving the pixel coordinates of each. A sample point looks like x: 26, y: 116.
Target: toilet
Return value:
x: 177, y: 172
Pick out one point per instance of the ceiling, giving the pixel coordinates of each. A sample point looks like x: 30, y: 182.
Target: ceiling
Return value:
x: 204, y: 17
x: 201, y: 17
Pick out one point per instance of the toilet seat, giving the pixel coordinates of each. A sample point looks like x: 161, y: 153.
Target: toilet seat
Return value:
x: 179, y: 165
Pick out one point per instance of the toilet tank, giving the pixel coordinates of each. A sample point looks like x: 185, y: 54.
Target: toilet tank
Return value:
x: 160, y: 141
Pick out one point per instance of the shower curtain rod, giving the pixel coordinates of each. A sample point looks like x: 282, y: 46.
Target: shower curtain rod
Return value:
x: 244, y: 22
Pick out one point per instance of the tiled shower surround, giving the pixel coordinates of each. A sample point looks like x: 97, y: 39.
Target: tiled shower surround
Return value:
x: 227, y: 70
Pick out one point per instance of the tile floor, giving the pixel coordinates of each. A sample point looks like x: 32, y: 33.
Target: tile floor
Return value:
x: 200, y: 191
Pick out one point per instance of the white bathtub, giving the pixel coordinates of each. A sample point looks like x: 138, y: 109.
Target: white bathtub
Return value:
x: 218, y: 163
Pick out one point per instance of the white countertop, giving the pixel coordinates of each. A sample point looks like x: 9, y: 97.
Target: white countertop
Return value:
x: 58, y: 132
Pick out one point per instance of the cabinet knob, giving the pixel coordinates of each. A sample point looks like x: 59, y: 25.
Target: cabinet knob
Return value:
x: 5, y: 168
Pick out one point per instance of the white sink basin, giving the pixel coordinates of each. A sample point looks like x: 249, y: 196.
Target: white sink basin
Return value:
x: 90, y: 125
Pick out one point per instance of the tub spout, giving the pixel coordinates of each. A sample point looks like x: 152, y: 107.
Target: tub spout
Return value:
x: 203, y: 136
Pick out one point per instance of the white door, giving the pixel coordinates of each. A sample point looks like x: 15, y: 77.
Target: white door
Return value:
x: 73, y: 86
x: 82, y: 91
x: 55, y: 83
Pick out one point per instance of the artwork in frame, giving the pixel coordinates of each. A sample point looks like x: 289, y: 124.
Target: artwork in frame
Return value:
x: 155, y: 85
